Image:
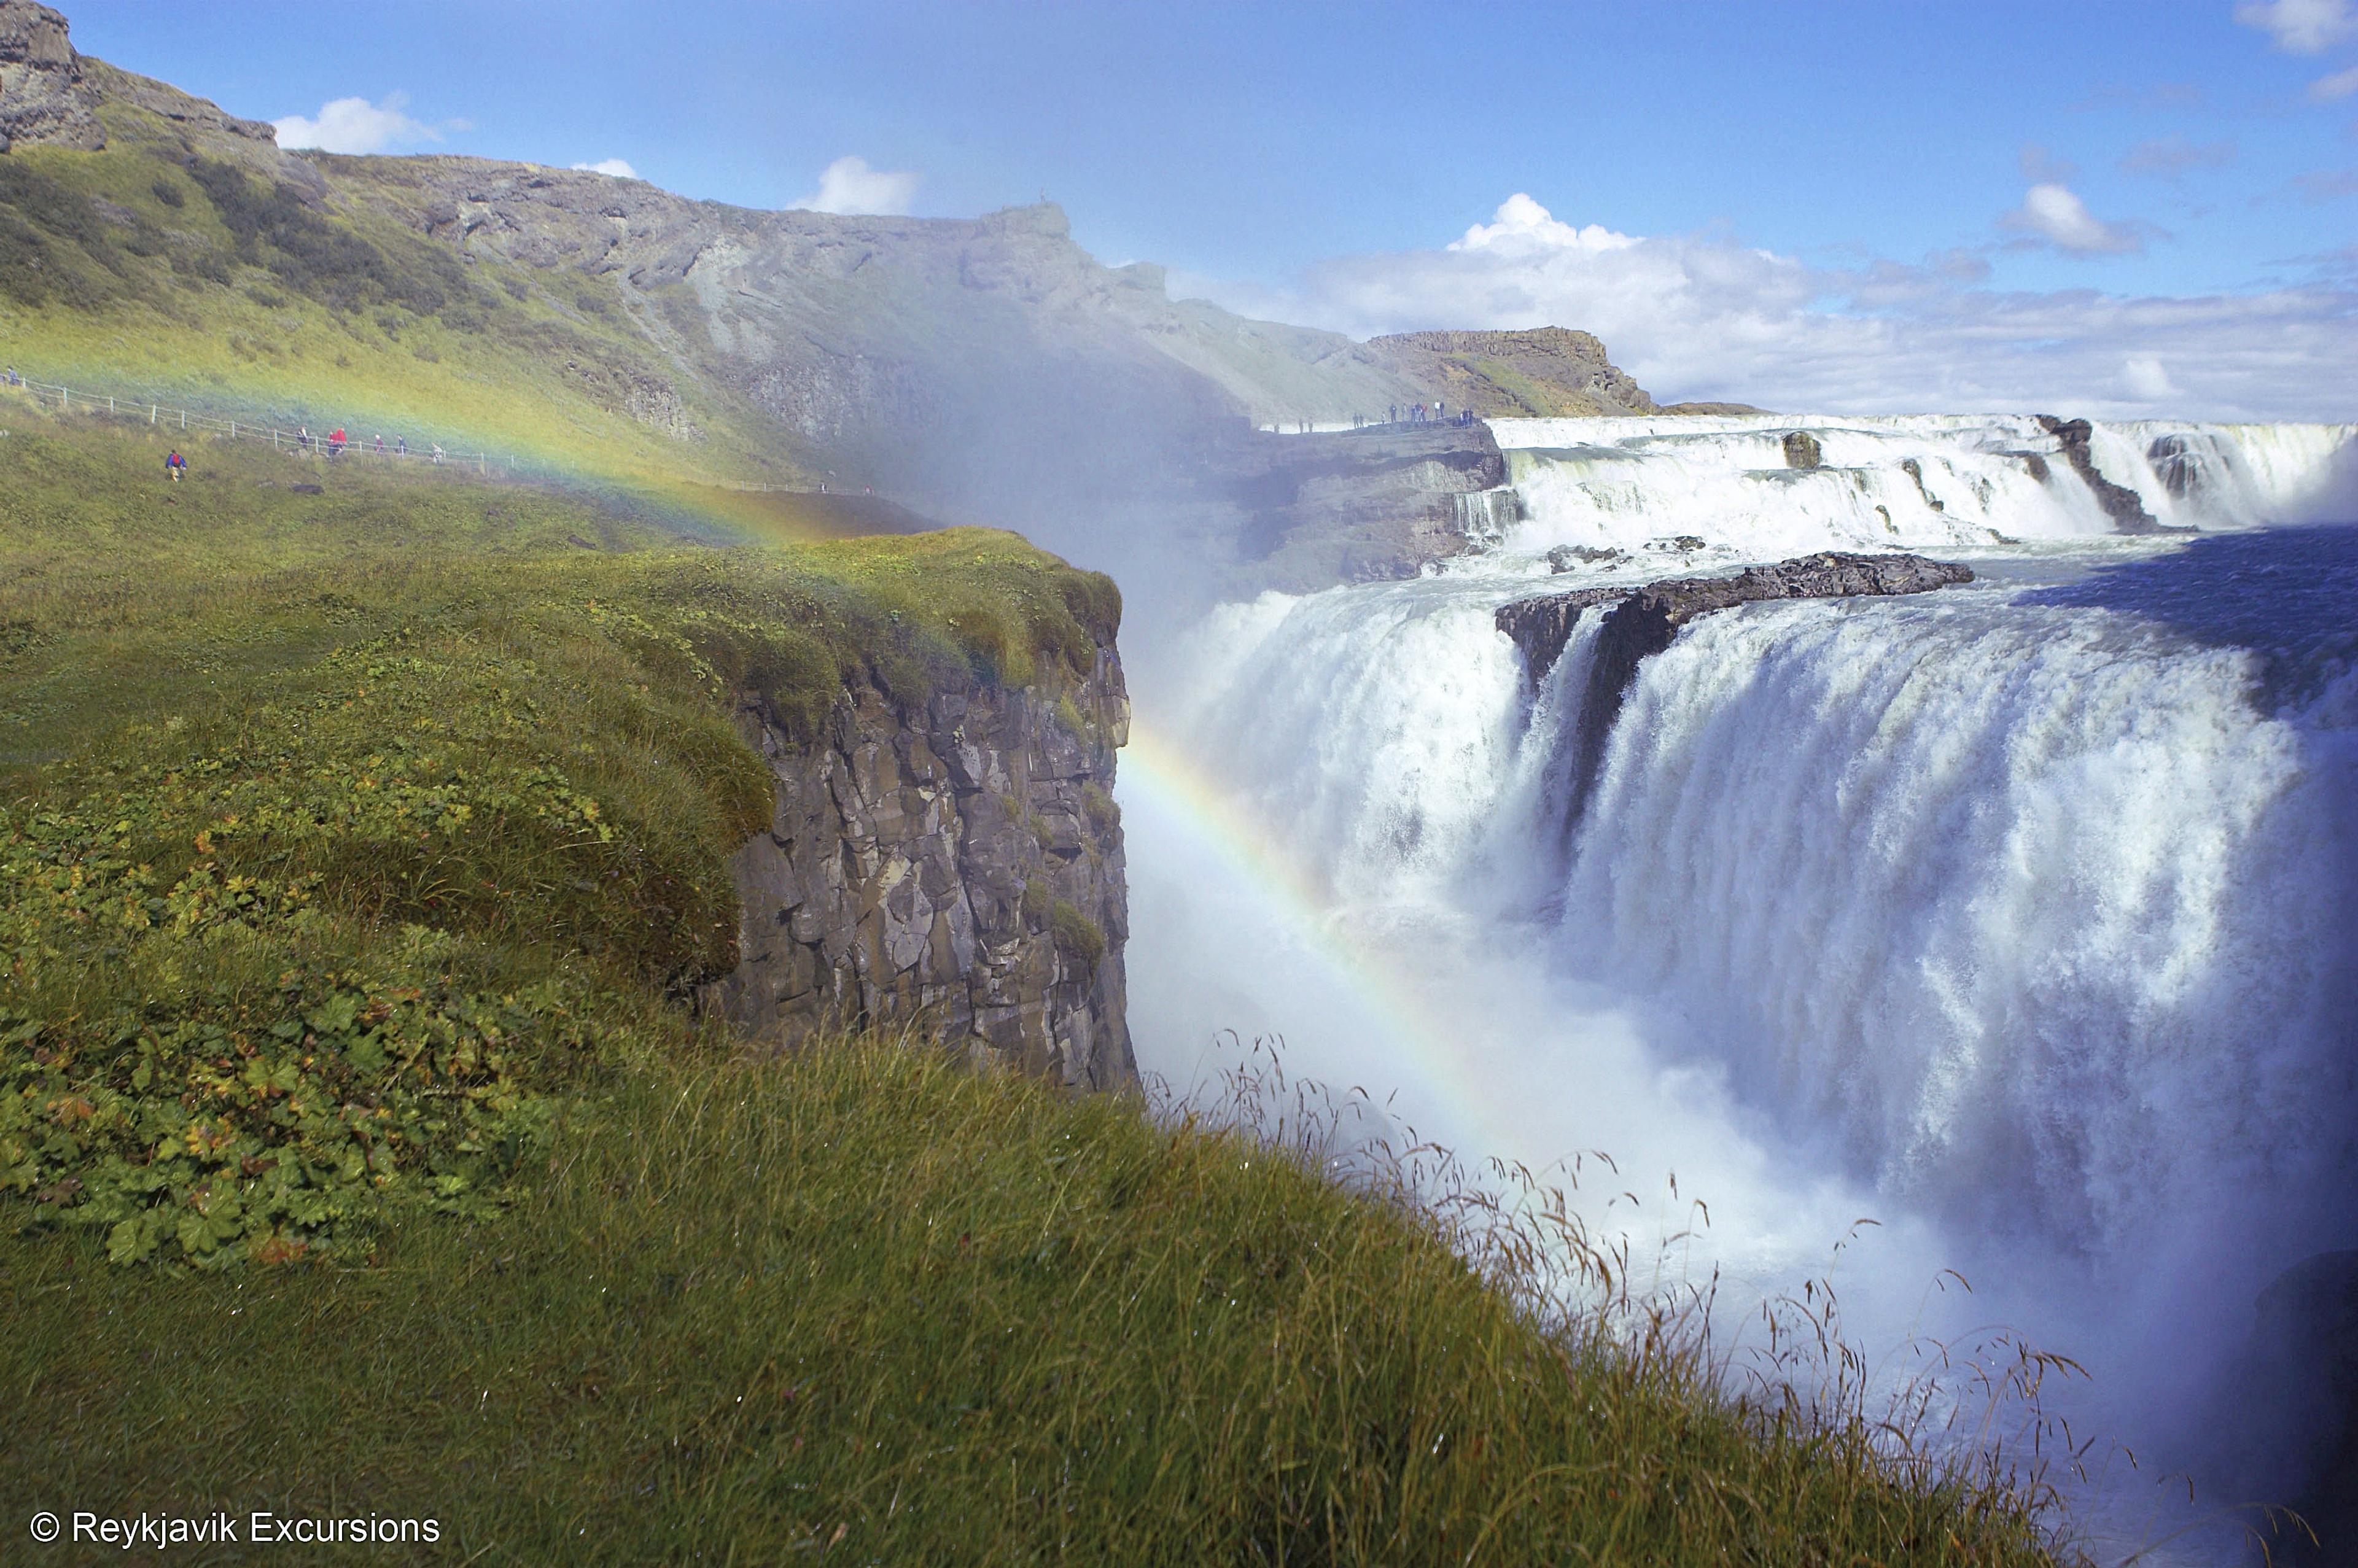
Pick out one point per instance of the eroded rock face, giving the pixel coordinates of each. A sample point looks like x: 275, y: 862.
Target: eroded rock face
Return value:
x: 42, y: 98
x: 203, y: 126
x: 1802, y: 452
x: 1350, y: 505
x: 957, y: 868
x: 1644, y: 621
x: 2178, y: 461
x: 2121, y: 504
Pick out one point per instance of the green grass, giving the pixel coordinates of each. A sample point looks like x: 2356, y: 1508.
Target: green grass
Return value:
x: 344, y: 833
x: 358, y: 1156
x: 864, y: 1299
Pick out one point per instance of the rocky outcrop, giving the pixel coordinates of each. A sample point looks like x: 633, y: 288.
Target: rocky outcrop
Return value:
x: 42, y: 96
x: 954, y: 867
x: 1802, y: 450
x: 873, y: 335
x: 1350, y: 505
x: 202, y: 125
x: 1643, y: 621
x: 2121, y: 504
x: 1541, y: 373
x: 2178, y: 462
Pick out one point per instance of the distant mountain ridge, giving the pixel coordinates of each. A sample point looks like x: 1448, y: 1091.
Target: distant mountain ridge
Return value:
x: 986, y: 369
x: 1541, y: 373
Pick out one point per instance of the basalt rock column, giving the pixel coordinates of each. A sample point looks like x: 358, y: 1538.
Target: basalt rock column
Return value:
x: 954, y: 867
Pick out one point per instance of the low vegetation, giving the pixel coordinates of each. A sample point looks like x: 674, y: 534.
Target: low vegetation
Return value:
x: 866, y: 1302
x: 358, y: 1156
x: 344, y: 830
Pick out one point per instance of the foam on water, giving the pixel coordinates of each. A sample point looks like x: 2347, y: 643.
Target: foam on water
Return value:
x: 1902, y: 483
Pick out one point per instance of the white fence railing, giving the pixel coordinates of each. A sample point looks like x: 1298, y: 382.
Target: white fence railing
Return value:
x: 301, y: 440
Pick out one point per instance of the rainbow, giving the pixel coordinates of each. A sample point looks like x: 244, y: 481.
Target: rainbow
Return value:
x: 1157, y: 777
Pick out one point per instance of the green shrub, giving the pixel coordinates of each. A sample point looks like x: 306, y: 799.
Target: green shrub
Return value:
x: 221, y: 1126
x: 328, y: 261
x: 1078, y: 936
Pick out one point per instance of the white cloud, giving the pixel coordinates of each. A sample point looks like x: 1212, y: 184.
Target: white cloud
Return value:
x: 2333, y: 89
x: 1522, y: 225
x: 355, y: 125
x: 848, y: 185
x: 2300, y: 27
x: 1703, y: 315
x: 616, y: 166
x: 2143, y: 377
x: 2054, y: 213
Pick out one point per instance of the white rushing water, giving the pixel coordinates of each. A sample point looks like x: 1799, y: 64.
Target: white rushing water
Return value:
x: 1903, y: 481
x: 2018, y: 916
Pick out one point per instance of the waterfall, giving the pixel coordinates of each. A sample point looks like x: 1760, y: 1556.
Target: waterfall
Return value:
x: 1902, y: 483
x: 2027, y: 911
x: 2020, y: 915
x: 1487, y: 515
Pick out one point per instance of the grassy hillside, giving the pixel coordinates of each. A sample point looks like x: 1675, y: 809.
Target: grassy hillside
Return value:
x: 860, y: 1301
x: 230, y: 277
x: 583, y: 325
x: 414, y: 794
x: 356, y: 1157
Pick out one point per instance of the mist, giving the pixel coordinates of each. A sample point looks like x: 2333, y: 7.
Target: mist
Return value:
x: 2015, y: 923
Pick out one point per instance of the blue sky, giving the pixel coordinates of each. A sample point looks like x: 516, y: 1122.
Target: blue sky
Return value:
x: 1906, y: 204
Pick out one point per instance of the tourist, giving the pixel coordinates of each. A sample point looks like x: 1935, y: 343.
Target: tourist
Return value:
x: 174, y: 464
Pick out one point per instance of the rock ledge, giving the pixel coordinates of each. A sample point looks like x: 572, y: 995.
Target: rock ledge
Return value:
x: 1644, y: 621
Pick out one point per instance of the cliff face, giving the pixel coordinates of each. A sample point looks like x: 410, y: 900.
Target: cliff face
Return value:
x: 944, y: 354
x: 1354, y: 505
x: 1541, y: 373
x: 42, y: 96
x: 955, y: 866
